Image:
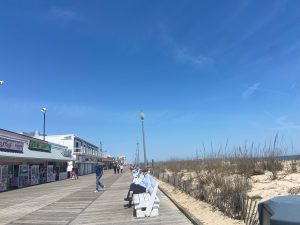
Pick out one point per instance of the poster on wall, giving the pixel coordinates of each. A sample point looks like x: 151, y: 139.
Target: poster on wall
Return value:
x: 3, y: 177
x: 11, y: 145
x: 50, y: 174
x: 23, y: 175
x: 34, y: 174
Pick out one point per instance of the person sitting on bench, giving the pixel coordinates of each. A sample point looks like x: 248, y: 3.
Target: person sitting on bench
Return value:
x: 143, y: 186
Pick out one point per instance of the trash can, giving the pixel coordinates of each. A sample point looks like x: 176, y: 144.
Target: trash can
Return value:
x: 281, y: 210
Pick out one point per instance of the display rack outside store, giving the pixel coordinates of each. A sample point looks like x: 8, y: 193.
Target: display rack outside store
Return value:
x: 50, y: 174
x: 3, y: 177
x: 35, y: 174
x: 23, y: 175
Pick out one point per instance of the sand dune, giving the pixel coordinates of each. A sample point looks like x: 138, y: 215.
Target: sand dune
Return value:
x: 263, y: 187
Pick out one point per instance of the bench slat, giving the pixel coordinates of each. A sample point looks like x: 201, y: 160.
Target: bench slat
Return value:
x: 146, y: 204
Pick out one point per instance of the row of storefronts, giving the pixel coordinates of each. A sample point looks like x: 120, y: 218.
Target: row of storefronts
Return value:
x: 26, y: 161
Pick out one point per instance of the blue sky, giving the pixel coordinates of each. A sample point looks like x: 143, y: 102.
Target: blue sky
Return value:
x: 202, y: 71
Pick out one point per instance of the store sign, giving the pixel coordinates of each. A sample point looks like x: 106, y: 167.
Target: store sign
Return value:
x: 107, y: 159
x: 38, y: 146
x: 67, y: 153
x: 10, y: 145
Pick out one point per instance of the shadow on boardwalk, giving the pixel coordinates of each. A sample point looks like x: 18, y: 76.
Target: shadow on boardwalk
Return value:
x: 74, y: 202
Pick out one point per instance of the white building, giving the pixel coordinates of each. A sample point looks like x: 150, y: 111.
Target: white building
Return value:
x: 84, y: 152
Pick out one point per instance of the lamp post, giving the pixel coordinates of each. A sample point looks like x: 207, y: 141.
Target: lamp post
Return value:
x: 1, y: 82
x: 137, y: 155
x: 101, y: 150
x: 43, y: 110
x: 142, y: 116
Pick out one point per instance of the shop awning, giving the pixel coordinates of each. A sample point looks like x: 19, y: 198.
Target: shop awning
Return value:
x: 107, y: 159
x: 55, y: 155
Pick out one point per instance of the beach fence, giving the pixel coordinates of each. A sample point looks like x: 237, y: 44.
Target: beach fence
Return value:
x: 234, y: 205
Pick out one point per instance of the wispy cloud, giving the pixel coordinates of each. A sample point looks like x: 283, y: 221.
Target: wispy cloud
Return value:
x: 181, y: 52
x: 257, y: 86
x: 272, y: 91
x: 250, y: 90
x: 259, y: 23
x: 264, y: 19
x: 198, y: 61
x: 284, y: 123
x: 294, y: 47
x: 293, y: 86
x: 56, y: 13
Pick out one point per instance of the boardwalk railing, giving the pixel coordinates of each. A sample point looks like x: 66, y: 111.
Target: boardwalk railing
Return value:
x: 234, y: 205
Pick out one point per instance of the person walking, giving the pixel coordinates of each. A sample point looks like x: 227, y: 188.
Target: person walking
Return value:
x: 118, y: 168
x: 115, y: 167
x: 99, y: 173
x: 74, y: 173
x: 121, y: 168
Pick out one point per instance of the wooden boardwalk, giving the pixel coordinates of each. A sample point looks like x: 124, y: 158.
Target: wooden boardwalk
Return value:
x: 73, y: 202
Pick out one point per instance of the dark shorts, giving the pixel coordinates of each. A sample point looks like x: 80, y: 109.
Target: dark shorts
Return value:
x: 137, y: 189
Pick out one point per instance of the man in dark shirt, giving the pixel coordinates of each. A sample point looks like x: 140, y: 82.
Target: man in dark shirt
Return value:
x: 99, y: 173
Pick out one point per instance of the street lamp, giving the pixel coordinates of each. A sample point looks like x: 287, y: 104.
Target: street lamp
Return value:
x: 142, y: 116
x: 1, y: 82
x: 137, y: 155
x: 43, y: 110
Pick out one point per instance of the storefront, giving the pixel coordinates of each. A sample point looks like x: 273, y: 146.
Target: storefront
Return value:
x: 108, y: 162
x: 28, y: 161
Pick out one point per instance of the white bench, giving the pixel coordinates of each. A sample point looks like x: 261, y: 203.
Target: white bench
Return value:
x: 145, y: 204
x: 138, y: 177
x: 136, y: 172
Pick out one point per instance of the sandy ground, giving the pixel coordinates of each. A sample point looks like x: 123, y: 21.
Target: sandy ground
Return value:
x: 262, y: 186
x: 266, y: 188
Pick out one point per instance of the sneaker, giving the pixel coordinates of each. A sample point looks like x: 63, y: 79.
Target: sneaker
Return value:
x: 127, y: 199
x: 96, y: 191
x: 128, y: 205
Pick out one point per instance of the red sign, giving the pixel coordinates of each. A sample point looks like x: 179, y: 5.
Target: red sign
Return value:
x: 106, y: 159
x: 10, y: 145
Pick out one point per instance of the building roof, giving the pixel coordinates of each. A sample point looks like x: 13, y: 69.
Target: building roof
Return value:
x: 20, y: 137
x: 70, y: 135
x: 55, y: 155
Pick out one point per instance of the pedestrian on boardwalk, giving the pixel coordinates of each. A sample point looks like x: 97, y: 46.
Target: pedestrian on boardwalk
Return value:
x: 121, y: 168
x: 115, y: 167
x: 118, y: 168
x: 99, y: 173
x: 74, y: 173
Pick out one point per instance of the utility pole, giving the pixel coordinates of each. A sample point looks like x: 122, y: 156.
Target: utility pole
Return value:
x: 43, y: 110
x: 142, y: 117
x: 137, y: 154
x: 101, y: 151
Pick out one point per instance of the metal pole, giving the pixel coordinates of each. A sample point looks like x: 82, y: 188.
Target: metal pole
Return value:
x: 144, y: 145
x: 101, y: 151
x: 44, y: 125
x: 137, y: 154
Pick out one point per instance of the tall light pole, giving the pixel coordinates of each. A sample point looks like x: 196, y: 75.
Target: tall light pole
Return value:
x: 43, y: 110
x: 137, y: 154
x: 101, y: 151
x: 142, y: 116
x: 1, y: 82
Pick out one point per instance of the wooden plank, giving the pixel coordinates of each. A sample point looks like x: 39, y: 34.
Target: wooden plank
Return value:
x: 73, y: 202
